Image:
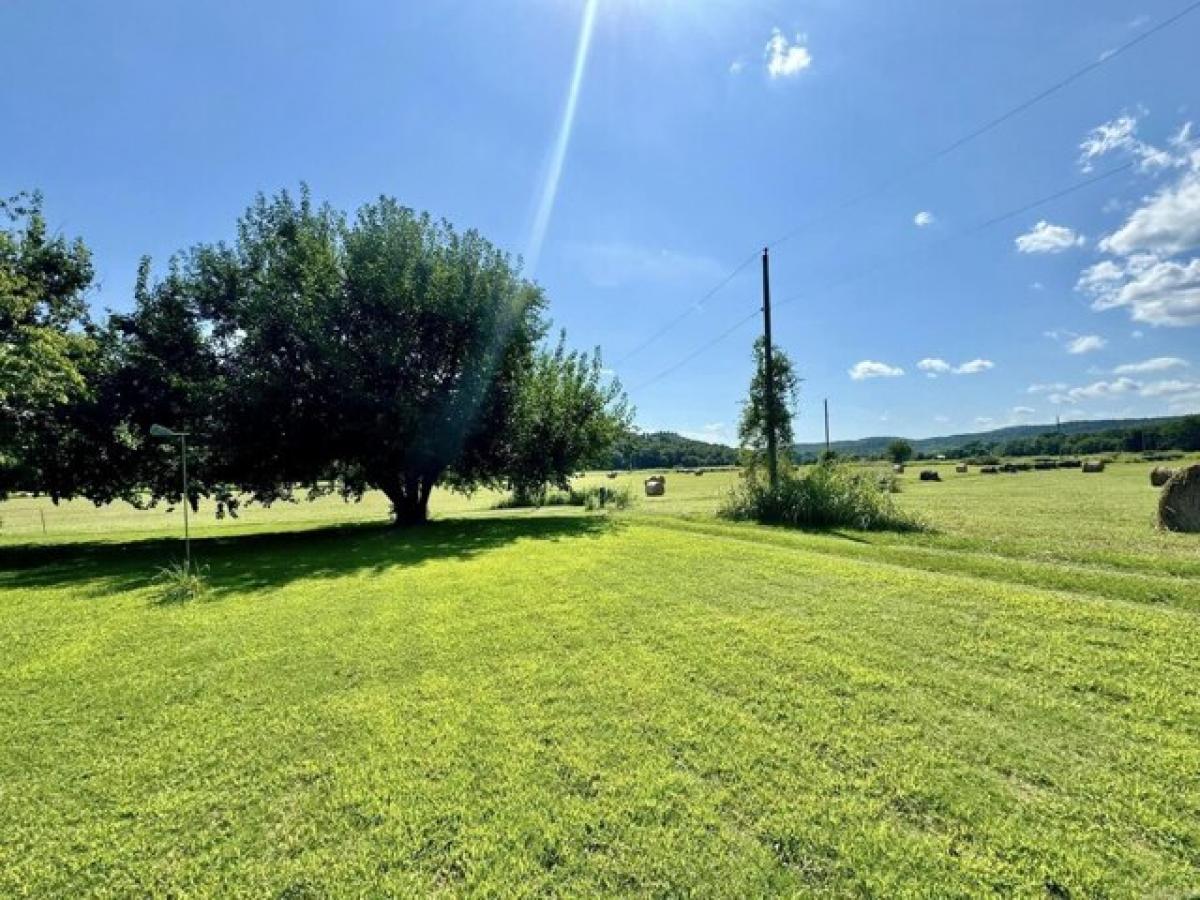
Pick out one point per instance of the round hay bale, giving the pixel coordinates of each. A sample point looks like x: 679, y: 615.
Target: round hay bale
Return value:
x: 961, y: 468
x: 1179, y: 505
x: 930, y: 475
x: 1069, y: 464
x: 1094, y: 465
x: 656, y: 486
x: 989, y: 470
x: 612, y: 474
x: 898, y: 469
x: 1160, y: 475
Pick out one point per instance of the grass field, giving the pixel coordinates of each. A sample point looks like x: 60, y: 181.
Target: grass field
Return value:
x: 655, y: 702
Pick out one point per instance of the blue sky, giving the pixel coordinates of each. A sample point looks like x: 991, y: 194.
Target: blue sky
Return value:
x: 702, y: 129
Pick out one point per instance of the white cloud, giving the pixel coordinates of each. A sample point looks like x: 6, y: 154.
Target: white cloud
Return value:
x: 932, y: 367
x: 1086, y: 343
x: 1047, y: 388
x: 736, y: 67
x: 1137, y: 335
x: 1170, y: 389
x: 869, y: 368
x: 923, y: 219
x: 1100, y: 390
x: 1156, y: 291
x: 1047, y: 238
x: 1150, y: 272
x: 784, y: 58
x: 935, y: 366
x: 1166, y: 224
x: 1158, y: 364
x: 1120, y: 135
x: 974, y: 367
x: 1185, y: 403
x: 941, y: 420
x: 1117, y: 134
x: 1021, y: 411
x: 1164, y: 388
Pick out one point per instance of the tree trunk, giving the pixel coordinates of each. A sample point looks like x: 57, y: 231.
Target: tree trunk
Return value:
x: 410, y: 500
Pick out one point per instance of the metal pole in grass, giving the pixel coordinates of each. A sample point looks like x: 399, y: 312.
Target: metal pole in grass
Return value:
x: 159, y: 431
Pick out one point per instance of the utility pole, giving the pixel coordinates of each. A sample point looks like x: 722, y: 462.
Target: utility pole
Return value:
x: 826, y: 427
x: 769, y: 372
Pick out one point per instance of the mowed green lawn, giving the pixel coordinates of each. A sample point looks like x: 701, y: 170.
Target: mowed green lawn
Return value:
x: 654, y: 702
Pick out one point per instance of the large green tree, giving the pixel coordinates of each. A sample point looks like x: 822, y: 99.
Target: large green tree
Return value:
x: 383, y: 352
x: 45, y: 343
x: 322, y: 353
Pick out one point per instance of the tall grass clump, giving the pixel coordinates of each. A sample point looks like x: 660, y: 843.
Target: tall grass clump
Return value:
x: 825, y: 496
x: 180, y: 583
x: 591, y: 498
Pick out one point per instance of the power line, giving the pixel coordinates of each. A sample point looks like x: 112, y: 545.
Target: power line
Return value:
x: 883, y: 264
x: 699, y: 350
x: 992, y: 124
x: 689, y: 310
x: 973, y: 230
x: 918, y: 165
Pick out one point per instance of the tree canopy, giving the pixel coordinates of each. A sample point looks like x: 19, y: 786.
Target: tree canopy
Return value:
x: 566, y: 417
x: 319, y: 352
x: 899, y: 451
x: 44, y: 330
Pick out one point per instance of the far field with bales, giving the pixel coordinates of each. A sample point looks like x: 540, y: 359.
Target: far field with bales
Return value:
x: 651, y: 700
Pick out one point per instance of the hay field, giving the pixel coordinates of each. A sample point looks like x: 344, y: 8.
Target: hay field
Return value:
x: 653, y: 702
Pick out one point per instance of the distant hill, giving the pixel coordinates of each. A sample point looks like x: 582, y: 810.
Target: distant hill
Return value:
x: 874, y: 446
x: 666, y: 449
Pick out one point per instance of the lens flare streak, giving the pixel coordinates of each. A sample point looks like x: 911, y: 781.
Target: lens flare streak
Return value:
x: 562, y: 142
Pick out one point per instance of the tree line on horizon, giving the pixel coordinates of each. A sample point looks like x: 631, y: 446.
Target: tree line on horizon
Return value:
x: 316, y: 352
x: 670, y: 450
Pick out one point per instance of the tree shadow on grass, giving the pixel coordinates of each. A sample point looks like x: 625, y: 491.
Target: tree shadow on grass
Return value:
x: 271, y: 560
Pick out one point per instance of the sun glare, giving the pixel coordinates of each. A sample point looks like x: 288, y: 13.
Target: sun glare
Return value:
x: 562, y: 141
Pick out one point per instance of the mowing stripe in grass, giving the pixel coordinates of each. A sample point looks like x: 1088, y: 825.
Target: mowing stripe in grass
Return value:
x: 1093, y: 580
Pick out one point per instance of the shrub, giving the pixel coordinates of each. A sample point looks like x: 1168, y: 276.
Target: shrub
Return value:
x: 179, y: 583
x: 591, y: 498
x: 602, y: 497
x: 826, y: 496
x: 889, y: 482
x: 982, y: 461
